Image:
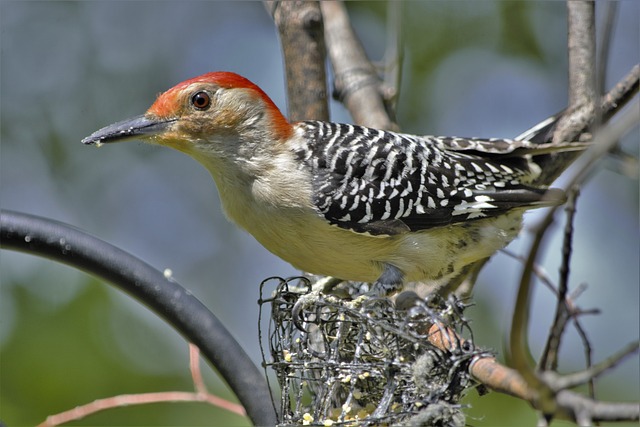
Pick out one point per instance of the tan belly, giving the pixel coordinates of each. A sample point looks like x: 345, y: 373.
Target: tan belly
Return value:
x: 312, y: 245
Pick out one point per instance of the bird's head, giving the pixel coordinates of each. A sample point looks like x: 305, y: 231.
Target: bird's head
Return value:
x: 208, y: 115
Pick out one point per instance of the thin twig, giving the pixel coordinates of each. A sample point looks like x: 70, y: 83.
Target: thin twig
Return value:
x: 621, y: 93
x: 518, y: 355
x: 585, y: 410
x: 586, y: 344
x: 565, y: 267
x: 544, y: 278
x: 98, y: 405
x: 563, y: 382
x: 194, y: 367
x: 549, y: 359
x: 200, y: 395
x: 537, y: 270
x: 564, y: 277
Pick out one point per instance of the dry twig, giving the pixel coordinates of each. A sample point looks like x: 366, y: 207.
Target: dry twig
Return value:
x: 200, y: 395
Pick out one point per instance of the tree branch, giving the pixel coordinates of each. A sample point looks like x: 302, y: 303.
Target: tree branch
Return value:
x: 300, y: 27
x: 582, y: 71
x: 568, y: 404
x: 393, y: 57
x: 621, y: 93
x: 356, y: 82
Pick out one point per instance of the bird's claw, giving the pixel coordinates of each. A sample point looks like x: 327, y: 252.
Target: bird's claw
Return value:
x: 321, y: 287
x: 297, y: 311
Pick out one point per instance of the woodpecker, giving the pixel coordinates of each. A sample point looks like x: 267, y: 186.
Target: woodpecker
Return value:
x: 342, y: 200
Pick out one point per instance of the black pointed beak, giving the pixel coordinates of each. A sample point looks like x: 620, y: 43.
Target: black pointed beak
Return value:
x: 135, y: 127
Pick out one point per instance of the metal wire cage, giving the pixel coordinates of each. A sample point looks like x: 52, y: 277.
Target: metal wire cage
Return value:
x: 367, y: 361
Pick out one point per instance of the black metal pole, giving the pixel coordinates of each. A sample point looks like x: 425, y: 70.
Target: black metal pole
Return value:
x: 68, y: 245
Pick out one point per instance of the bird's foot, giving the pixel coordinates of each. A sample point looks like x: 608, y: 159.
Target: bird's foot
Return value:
x: 319, y: 289
x: 389, y: 283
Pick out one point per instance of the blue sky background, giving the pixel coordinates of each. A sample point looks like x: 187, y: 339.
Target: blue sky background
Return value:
x: 472, y: 68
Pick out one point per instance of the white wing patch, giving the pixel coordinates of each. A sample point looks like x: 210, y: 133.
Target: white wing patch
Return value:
x: 474, y: 209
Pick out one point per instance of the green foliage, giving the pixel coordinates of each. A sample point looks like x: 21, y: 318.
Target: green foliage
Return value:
x: 61, y: 358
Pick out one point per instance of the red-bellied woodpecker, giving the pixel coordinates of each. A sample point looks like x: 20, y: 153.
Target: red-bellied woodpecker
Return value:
x: 342, y: 200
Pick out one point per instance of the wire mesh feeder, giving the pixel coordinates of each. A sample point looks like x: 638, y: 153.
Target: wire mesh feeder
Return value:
x: 367, y: 362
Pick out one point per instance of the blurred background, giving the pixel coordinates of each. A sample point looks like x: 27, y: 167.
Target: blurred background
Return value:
x: 472, y: 68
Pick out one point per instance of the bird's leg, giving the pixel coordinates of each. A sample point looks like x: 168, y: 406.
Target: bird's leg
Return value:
x: 462, y: 284
x: 389, y: 282
x: 323, y: 286
x: 326, y: 284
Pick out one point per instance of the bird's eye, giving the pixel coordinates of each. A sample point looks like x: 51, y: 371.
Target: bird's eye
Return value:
x: 201, y: 100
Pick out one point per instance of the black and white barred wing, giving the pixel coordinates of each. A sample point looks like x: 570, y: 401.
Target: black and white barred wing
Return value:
x: 384, y: 183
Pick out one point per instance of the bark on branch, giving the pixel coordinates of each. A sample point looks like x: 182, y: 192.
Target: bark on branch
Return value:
x: 356, y: 82
x: 568, y: 404
x: 301, y: 32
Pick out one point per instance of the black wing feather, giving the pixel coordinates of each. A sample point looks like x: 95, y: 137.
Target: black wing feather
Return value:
x: 386, y: 183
